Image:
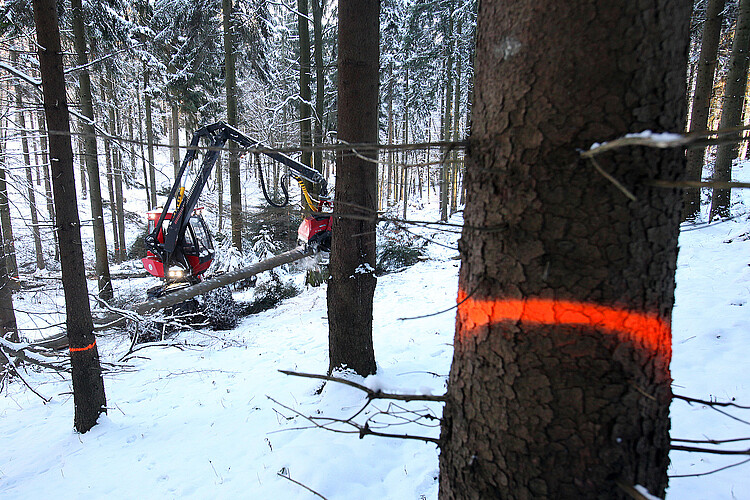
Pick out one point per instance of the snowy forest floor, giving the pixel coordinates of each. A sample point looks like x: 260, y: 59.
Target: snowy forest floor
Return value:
x: 195, y: 420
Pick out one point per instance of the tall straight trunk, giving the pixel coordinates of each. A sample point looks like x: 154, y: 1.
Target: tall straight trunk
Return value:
x: 108, y: 155
x: 8, y: 327
x: 560, y: 383
x: 305, y: 111
x: 175, y: 134
x: 47, y: 183
x: 405, y: 165
x: 317, y: 8
x: 352, y: 283
x: 220, y: 191
x: 146, y: 182
x: 8, y: 248
x: 116, y: 198
x: 704, y: 84
x: 30, y: 194
x: 118, y: 168
x: 445, y: 167
x: 92, y: 157
x: 731, y: 110
x: 149, y: 134
x: 235, y: 193
x: 304, y: 81
x: 88, y: 387
x: 82, y: 162
x: 391, y: 166
x: 131, y: 138
x: 455, y: 168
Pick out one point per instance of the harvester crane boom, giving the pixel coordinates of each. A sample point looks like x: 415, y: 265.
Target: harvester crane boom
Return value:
x: 168, y: 245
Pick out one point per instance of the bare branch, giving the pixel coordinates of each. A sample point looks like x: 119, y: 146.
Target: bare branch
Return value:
x: 709, y: 403
x: 696, y: 449
x: 711, y: 471
x: 370, y: 393
x: 302, y: 485
x: 15, y: 370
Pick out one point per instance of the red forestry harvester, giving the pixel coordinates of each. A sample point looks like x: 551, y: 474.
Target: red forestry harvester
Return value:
x: 178, y: 243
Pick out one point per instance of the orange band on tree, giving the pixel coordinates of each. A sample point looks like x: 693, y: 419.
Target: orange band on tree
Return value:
x: 646, y: 328
x: 79, y: 349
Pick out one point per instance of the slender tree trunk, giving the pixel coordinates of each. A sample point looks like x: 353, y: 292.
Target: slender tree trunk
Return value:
x: 455, y: 167
x: 47, y: 183
x: 92, y: 157
x: 116, y: 198
x: 149, y: 134
x: 9, y: 248
x: 8, y: 328
x: 235, y: 193
x: 220, y: 191
x: 390, y: 137
x: 118, y: 167
x: 352, y: 283
x: 731, y: 110
x: 146, y: 182
x: 317, y: 8
x: 88, y: 387
x: 560, y: 383
x: 108, y: 154
x: 82, y: 162
x: 21, y: 117
x: 445, y: 167
x: 704, y: 85
x: 305, y: 112
x: 175, y: 137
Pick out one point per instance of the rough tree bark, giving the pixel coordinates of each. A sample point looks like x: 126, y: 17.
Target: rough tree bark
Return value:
x: 704, y: 86
x: 731, y: 110
x: 560, y: 383
x: 88, y: 386
x: 92, y: 157
x: 352, y: 283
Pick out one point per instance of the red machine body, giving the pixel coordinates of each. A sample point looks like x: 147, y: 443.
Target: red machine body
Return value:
x: 197, y: 247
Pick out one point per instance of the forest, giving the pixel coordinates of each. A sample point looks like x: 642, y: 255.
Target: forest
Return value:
x: 528, y: 280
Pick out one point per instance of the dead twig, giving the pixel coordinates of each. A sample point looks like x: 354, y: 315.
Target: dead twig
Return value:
x: 302, y: 485
x: 15, y: 370
x: 371, y: 394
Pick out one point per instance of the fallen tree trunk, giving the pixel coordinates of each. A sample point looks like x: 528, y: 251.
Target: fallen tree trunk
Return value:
x: 114, y: 318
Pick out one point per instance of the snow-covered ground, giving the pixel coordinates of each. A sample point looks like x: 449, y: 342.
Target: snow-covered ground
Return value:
x: 196, y: 419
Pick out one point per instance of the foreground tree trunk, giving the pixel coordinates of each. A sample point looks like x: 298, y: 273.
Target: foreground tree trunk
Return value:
x: 704, y: 86
x: 92, y: 156
x: 731, y: 110
x: 88, y: 387
x: 560, y: 383
x: 352, y: 283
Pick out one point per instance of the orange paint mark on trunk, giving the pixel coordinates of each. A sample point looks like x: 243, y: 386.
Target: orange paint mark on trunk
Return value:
x: 645, y: 328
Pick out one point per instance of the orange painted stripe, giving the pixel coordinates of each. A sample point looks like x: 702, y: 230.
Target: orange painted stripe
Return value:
x: 646, y: 328
x: 79, y: 349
